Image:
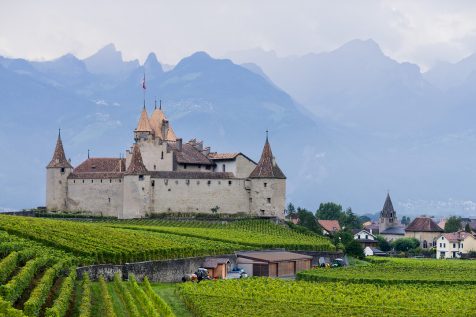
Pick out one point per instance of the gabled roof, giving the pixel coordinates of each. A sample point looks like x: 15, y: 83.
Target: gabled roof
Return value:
x: 387, y: 210
x: 189, y: 155
x: 59, y: 158
x: 365, y: 232
x: 143, y: 125
x: 137, y: 165
x: 423, y: 224
x: 212, y: 263
x: 101, y: 165
x: 329, y: 225
x: 227, y: 156
x: 272, y: 256
x: 267, y: 167
x: 457, y: 236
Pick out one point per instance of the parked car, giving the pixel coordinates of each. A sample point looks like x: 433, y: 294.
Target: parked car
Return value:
x: 237, y: 273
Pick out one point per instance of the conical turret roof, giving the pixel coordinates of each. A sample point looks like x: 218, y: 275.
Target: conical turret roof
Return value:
x: 267, y: 167
x: 156, y: 120
x: 59, y: 158
x: 137, y: 165
x: 143, y: 125
x: 387, y: 209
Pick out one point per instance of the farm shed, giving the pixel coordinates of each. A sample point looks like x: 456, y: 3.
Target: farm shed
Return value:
x: 273, y: 263
x: 217, y: 267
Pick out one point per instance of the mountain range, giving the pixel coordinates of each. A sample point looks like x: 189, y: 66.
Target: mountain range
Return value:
x: 345, y: 125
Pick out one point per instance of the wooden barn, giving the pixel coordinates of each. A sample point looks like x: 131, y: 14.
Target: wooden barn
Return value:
x: 273, y: 263
x: 217, y: 267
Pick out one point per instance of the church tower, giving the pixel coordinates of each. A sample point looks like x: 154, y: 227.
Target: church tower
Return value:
x: 57, y: 173
x: 268, y: 185
x: 388, y: 216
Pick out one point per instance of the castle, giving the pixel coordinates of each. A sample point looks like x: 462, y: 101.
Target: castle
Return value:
x: 160, y: 173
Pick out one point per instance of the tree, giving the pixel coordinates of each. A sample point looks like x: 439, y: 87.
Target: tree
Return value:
x: 467, y: 228
x: 405, y: 220
x: 329, y: 211
x: 405, y: 244
x: 307, y: 219
x: 453, y: 224
x: 383, y: 244
x: 350, y: 220
x: 290, y: 210
x: 354, y: 249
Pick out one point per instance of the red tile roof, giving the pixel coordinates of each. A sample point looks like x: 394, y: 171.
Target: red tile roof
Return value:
x: 222, y: 156
x: 423, y: 224
x: 59, y: 158
x: 329, y: 225
x: 136, y: 166
x: 189, y: 155
x: 191, y: 175
x: 456, y: 236
x: 267, y: 167
x: 99, y: 168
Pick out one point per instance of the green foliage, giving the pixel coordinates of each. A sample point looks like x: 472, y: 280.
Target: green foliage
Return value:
x: 405, y: 220
x: 106, y: 298
x: 383, y: 244
x: 85, y: 307
x: 15, y: 287
x: 162, y: 307
x: 276, y: 297
x: 61, y: 303
x: 128, y: 299
x: 8, y: 265
x: 332, y: 211
x: 7, y: 310
x: 467, y: 228
x: 405, y: 244
x: 39, y: 294
x: 146, y: 302
x: 307, y: 220
x: 354, y: 249
x: 399, y: 271
x: 453, y: 224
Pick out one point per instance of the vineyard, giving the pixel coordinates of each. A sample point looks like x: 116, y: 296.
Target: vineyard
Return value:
x: 254, y: 233
x: 274, y: 297
x: 40, y: 281
x: 397, y: 271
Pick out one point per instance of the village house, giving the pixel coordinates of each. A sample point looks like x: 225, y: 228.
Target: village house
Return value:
x: 160, y: 173
x: 329, y: 227
x: 453, y: 245
x: 366, y: 239
x: 425, y: 230
x: 273, y: 263
x: 371, y: 251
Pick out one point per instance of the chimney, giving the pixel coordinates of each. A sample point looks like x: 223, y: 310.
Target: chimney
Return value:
x: 199, y: 145
x: 178, y: 143
x: 206, y: 151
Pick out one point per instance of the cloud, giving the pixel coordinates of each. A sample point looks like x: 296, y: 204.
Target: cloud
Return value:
x: 415, y: 31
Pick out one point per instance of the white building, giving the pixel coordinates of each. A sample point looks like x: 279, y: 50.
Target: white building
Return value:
x: 161, y: 174
x: 453, y: 245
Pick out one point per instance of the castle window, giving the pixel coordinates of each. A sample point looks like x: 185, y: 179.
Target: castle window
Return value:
x: 142, y: 188
x: 187, y: 182
x: 83, y: 181
x: 170, y: 189
x: 268, y: 200
x: 74, y: 181
x: 219, y: 182
x: 60, y: 182
x: 265, y: 184
x: 152, y: 183
x: 229, y: 182
x: 110, y: 180
x: 209, y: 182
x: 92, y: 181
x: 251, y: 199
x: 262, y: 211
x: 176, y: 182
x: 120, y: 180
x: 162, y: 155
x: 185, y: 166
x: 198, y: 182
x: 62, y: 170
x: 101, y: 180
x: 207, y: 167
x: 155, y: 167
x: 223, y: 167
x: 141, y: 177
x: 166, y: 181
x: 109, y: 199
x: 199, y: 166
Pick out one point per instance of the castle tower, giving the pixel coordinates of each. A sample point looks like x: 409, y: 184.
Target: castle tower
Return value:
x: 144, y: 130
x: 57, y: 173
x: 388, y: 216
x: 268, y: 185
x: 137, y: 187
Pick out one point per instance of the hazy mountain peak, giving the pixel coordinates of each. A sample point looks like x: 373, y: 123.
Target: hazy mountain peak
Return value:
x: 359, y: 47
x: 108, y: 61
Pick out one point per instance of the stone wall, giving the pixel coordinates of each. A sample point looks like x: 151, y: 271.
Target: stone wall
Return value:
x: 156, y: 271
x: 100, y: 196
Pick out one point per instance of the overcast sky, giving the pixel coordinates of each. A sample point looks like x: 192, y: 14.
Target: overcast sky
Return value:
x: 421, y: 32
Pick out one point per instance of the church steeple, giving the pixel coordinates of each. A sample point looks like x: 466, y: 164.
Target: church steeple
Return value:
x: 59, y: 158
x: 387, y: 210
x: 267, y: 167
